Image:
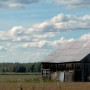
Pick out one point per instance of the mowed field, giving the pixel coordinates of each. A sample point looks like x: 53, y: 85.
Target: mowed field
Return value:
x: 35, y: 82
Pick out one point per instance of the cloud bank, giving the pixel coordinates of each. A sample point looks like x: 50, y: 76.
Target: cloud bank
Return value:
x: 73, y: 3
x: 47, y: 29
x: 25, y: 3
x: 39, y: 35
x: 16, y: 3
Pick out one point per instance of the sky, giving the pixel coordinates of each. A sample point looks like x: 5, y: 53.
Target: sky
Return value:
x: 31, y: 29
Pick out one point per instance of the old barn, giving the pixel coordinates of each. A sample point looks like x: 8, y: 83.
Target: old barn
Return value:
x: 70, y: 62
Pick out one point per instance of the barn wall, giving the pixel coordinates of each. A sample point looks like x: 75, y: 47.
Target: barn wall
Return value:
x: 87, y: 59
x: 46, y: 74
x: 69, y: 76
x: 86, y: 68
x: 88, y: 71
x: 63, y: 76
x: 53, y: 75
x: 60, y: 76
x: 73, y: 71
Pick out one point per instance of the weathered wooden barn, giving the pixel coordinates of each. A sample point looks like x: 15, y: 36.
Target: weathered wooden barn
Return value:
x: 70, y: 62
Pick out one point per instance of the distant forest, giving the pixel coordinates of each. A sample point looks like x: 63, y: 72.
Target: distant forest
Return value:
x: 20, y: 67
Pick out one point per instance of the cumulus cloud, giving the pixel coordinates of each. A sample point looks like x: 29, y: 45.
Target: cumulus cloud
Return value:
x: 47, y: 43
x: 17, y: 30
x: 60, y: 41
x: 20, y: 34
x: 51, y: 44
x: 15, y: 34
x: 37, y: 44
x: 85, y: 37
x: 62, y: 22
x: 57, y: 43
x: 45, y: 35
x: 44, y: 43
x: 46, y: 29
x: 39, y: 34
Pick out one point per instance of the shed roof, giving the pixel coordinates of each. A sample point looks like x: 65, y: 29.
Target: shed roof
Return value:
x: 70, y: 52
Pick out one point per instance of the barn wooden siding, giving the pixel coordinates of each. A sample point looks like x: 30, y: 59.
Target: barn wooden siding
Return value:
x: 76, y: 71
x: 62, y: 66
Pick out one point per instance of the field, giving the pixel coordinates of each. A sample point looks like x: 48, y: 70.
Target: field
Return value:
x: 20, y: 78
x: 35, y: 82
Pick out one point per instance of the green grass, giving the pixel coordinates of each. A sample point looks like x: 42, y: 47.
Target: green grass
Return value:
x: 23, y: 77
x: 20, y: 78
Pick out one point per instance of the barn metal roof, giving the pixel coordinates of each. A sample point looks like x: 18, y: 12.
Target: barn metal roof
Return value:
x: 70, y: 52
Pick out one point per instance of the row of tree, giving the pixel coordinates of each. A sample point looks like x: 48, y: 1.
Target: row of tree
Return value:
x: 20, y: 67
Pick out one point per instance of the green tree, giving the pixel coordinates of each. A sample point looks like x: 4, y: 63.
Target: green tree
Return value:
x: 19, y: 68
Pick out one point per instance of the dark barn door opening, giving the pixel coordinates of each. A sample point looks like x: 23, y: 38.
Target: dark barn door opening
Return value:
x: 77, y: 76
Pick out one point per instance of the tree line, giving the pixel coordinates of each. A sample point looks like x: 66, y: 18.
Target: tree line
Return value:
x: 20, y: 67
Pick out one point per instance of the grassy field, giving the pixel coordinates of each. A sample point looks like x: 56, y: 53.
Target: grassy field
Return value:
x: 35, y: 82
x: 18, y: 78
x: 45, y: 86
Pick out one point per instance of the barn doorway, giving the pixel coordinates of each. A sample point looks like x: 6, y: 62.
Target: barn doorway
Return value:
x: 65, y: 76
x: 69, y: 76
x: 77, y: 76
x: 60, y: 76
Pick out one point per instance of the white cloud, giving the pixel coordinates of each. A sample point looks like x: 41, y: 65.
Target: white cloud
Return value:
x: 51, y: 44
x: 73, y: 3
x: 62, y: 22
x: 37, y: 44
x: 2, y: 48
x: 45, y: 35
x: 85, y: 37
x: 46, y: 43
x: 16, y: 3
x: 39, y: 34
x: 25, y: 3
x: 17, y: 33
x: 56, y: 43
x: 47, y: 29
x: 17, y: 30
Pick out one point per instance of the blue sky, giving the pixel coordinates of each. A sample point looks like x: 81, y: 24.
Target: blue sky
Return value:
x: 32, y: 29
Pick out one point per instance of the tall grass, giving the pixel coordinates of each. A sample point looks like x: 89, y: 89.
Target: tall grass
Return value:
x: 44, y: 86
x: 35, y: 82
